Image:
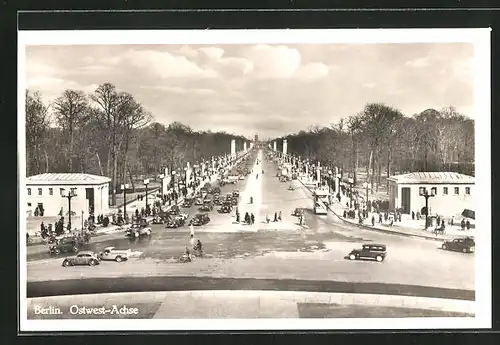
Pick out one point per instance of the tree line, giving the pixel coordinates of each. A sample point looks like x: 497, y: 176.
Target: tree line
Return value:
x: 108, y: 132
x: 381, y: 139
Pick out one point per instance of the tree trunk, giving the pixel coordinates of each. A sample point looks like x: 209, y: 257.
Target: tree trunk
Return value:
x: 389, y: 160
x: 379, y: 177
x: 113, y: 179
x: 108, y: 163
x: 131, y: 179
x: 371, y: 167
x: 70, y: 163
x: 99, y: 161
x: 46, y: 161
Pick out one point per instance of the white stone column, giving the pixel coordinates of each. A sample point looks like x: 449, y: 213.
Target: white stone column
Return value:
x: 274, y: 146
x: 244, y: 146
x: 233, y: 147
x: 285, y: 147
x: 337, y: 180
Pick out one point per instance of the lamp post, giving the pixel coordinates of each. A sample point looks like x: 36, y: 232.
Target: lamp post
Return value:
x: 146, y: 182
x: 124, y: 188
x: 162, y: 176
x: 367, y: 185
x: 422, y: 191
x: 351, y: 182
x: 71, y: 194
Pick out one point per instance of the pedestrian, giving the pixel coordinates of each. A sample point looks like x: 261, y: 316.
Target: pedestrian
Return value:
x: 413, y: 215
x: 275, y: 216
x: 267, y: 218
x: 191, y: 230
x: 191, y: 241
x: 237, y: 217
x: 345, y: 213
x: 467, y: 224
x: 247, y: 218
x: 452, y: 220
x: 252, y: 219
x: 279, y: 216
x: 380, y: 218
x: 462, y: 224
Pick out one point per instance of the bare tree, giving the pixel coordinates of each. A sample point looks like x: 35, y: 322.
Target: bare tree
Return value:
x: 37, y: 124
x: 71, y: 110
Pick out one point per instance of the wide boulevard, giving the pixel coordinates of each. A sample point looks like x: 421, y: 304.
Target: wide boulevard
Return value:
x: 264, y: 255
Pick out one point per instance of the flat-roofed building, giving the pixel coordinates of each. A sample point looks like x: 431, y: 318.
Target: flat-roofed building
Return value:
x: 453, y: 192
x: 46, y: 190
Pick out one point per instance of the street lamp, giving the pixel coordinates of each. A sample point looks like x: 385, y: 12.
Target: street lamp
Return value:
x: 146, y: 182
x: 367, y: 185
x: 351, y: 182
x: 69, y: 195
x: 422, y: 191
x: 162, y: 176
x: 124, y: 188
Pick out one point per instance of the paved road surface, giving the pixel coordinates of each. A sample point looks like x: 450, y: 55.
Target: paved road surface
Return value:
x: 275, y: 250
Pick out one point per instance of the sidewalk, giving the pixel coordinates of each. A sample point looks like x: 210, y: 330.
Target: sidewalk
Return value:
x: 405, y: 228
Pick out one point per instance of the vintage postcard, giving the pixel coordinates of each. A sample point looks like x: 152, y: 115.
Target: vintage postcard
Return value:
x: 254, y: 179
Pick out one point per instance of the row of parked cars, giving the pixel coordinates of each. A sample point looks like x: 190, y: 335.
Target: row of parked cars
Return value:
x: 89, y: 258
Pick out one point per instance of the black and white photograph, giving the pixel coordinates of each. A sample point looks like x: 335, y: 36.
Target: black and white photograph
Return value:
x: 254, y: 179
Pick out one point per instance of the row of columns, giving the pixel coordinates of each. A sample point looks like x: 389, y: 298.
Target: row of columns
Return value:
x: 297, y: 164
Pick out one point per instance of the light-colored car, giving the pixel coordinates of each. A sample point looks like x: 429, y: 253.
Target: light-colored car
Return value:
x: 184, y: 215
x: 139, y: 229
x: 118, y: 255
x: 82, y: 258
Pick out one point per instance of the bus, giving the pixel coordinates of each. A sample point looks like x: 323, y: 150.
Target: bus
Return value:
x: 320, y: 200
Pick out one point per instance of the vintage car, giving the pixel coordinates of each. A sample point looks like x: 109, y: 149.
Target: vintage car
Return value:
x: 207, y: 207
x: 198, y: 201
x: 200, y: 219
x: 369, y: 251
x: 82, y: 258
x: 208, y: 199
x: 217, y: 200
x: 298, y: 212
x: 226, y: 208
x: 161, y: 218
x: 176, y: 222
x: 188, y: 202
x: 216, y: 190
x: 67, y: 244
x: 141, y: 228
x: 183, y: 215
x: 236, y: 193
x: 174, y: 210
x: 283, y: 178
x: 234, y: 201
x: 112, y: 254
x: 464, y: 245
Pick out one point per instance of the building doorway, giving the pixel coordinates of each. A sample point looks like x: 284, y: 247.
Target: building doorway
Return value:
x: 89, y: 196
x: 405, y: 200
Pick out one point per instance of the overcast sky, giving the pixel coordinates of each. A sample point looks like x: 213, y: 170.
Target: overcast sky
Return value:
x: 270, y: 90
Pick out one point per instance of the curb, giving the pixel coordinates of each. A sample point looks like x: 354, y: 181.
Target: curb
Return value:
x: 362, y: 226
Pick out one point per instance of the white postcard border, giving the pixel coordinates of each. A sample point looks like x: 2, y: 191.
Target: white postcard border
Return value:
x: 479, y: 37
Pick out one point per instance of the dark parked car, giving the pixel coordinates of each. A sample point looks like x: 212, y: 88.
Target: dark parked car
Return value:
x: 187, y: 203
x: 216, y: 190
x: 206, y: 207
x: 174, y: 210
x: 234, y: 201
x: 369, y: 251
x: 176, y: 222
x: 66, y: 245
x: 464, y: 245
x: 161, y: 218
x: 217, y: 200
x: 200, y: 219
x: 82, y: 258
x: 236, y: 193
x: 225, y: 208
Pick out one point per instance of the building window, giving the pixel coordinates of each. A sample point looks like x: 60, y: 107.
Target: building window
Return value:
x: 29, y: 191
x: 51, y: 191
x: 61, y: 191
x: 39, y: 191
x: 456, y: 190
x: 467, y: 190
x: 29, y: 204
x: 434, y: 190
x: 445, y: 190
x: 73, y: 191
